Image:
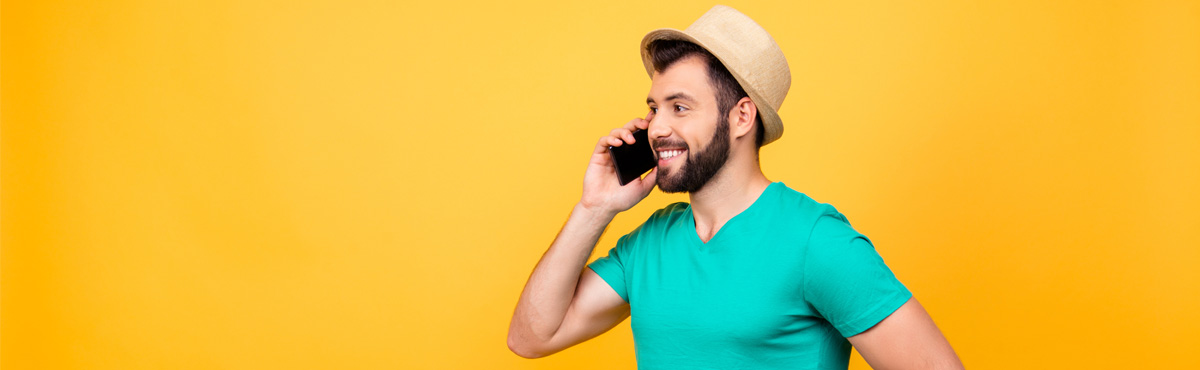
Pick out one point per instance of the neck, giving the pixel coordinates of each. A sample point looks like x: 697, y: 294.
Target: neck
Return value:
x: 732, y: 190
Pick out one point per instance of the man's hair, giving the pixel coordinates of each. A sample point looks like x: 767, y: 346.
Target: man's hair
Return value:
x: 664, y: 53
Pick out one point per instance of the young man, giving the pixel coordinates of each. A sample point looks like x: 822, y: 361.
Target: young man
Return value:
x: 749, y: 273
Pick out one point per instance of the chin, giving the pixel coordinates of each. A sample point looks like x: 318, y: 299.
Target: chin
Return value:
x: 671, y: 186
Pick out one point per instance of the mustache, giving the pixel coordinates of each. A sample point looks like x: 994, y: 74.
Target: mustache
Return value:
x: 661, y: 144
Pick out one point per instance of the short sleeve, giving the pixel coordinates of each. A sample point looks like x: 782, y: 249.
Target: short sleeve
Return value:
x: 845, y: 279
x: 612, y: 267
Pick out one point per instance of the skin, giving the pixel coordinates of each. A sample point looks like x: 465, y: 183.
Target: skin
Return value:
x: 564, y: 303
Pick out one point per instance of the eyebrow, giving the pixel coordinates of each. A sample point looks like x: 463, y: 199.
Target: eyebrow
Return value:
x: 678, y: 95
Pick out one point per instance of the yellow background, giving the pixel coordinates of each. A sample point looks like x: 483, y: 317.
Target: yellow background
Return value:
x: 367, y: 184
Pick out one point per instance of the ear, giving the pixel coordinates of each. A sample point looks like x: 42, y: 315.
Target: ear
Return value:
x: 742, y: 118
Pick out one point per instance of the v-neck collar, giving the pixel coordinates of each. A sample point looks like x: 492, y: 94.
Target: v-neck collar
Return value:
x: 690, y: 218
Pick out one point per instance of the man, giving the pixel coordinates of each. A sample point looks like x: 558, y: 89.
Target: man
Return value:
x: 748, y: 274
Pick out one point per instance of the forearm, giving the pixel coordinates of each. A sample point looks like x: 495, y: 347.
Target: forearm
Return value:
x: 551, y: 286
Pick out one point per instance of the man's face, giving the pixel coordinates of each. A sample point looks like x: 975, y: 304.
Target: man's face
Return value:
x: 687, y: 130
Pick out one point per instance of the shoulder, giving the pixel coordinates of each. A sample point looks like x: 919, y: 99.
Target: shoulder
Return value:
x: 827, y: 227
x: 809, y: 222
x: 667, y: 214
x: 655, y: 228
x: 799, y: 210
x: 673, y: 210
x: 664, y: 217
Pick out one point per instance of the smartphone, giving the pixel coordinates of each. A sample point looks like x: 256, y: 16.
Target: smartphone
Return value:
x: 633, y: 160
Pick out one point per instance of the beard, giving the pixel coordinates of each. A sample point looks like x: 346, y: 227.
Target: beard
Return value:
x: 698, y: 168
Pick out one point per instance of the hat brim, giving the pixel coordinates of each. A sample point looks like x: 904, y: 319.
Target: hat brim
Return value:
x: 772, y: 124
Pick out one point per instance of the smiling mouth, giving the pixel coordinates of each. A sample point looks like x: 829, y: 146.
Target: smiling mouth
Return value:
x: 665, y: 156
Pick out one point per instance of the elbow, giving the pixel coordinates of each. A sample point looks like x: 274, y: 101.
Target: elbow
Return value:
x: 523, y: 349
x: 951, y: 364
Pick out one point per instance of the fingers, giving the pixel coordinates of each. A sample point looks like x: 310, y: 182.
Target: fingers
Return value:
x: 638, y: 124
x: 647, y: 183
x: 605, y: 142
x: 623, y: 135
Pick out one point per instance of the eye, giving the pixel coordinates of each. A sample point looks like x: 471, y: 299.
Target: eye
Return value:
x: 653, y: 110
x: 680, y: 108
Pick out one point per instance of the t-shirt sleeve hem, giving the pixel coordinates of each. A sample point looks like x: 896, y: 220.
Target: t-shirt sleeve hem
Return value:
x: 881, y: 311
x: 612, y: 276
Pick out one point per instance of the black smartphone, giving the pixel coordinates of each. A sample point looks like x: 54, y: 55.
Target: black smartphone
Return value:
x: 633, y: 160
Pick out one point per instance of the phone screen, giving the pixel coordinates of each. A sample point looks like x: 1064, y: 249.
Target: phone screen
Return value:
x: 633, y: 160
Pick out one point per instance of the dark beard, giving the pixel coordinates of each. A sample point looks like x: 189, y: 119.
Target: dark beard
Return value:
x: 701, y: 167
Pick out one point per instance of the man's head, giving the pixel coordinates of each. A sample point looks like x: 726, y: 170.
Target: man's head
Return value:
x: 693, y: 97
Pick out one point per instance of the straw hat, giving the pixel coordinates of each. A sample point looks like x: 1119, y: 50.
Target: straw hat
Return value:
x: 747, y: 50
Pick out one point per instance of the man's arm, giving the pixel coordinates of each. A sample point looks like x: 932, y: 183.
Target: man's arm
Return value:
x: 906, y: 339
x: 555, y: 312
x: 564, y: 303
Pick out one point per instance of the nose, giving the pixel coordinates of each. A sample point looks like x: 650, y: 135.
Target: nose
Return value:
x: 657, y: 128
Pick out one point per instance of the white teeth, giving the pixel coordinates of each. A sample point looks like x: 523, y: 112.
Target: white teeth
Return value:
x: 668, y: 154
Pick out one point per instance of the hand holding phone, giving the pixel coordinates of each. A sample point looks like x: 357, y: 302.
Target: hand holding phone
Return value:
x: 633, y: 160
x: 600, y: 192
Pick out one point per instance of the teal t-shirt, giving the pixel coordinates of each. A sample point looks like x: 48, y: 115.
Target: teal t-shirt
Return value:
x: 780, y: 286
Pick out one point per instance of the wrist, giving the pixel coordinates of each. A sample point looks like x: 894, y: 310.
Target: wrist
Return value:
x: 595, y: 214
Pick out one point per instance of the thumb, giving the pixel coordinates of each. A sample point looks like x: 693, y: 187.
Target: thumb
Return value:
x: 649, y: 181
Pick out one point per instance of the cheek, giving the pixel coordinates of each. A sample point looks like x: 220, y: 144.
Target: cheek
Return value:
x: 697, y: 136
